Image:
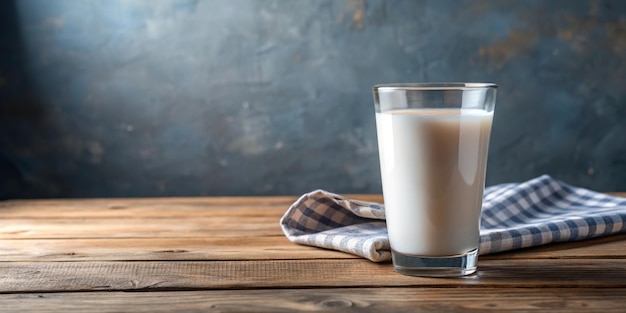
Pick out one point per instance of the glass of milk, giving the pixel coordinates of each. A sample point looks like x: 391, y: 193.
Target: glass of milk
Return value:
x: 433, y: 140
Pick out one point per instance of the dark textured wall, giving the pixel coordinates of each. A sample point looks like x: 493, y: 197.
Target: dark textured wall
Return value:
x: 249, y: 97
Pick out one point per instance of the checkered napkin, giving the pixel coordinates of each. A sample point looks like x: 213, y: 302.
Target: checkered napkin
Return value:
x: 514, y: 216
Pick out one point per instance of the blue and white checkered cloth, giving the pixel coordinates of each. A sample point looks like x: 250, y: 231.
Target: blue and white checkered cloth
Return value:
x: 514, y: 216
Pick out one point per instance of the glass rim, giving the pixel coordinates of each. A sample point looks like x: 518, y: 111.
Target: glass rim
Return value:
x: 433, y: 86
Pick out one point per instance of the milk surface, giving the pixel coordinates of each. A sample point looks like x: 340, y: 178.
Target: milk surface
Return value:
x: 433, y: 164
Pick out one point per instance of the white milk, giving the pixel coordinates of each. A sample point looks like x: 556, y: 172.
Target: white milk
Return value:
x: 433, y: 165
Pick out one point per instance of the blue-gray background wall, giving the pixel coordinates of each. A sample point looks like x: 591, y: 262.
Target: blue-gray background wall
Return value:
x: 107, y: 98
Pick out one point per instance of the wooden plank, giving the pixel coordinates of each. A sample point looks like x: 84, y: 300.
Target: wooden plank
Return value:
x: 230, y: 201
x: 161, y: 249
x: 142, y: 210
x: 157, y: 207
x: 128, y: 276
x: 326, y: 300
x: 153, y: 207
x: 250, y: 248
x: 218, y: 226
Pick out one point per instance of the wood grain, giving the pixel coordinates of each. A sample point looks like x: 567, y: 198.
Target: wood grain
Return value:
x: 229, y: 255
x: 216, y: 226
x: 154, y: 207
x: 434, y: 300
x: 323, y: 273
x: 251, y: 248
x: 115, y: 209
x: 162, y: 249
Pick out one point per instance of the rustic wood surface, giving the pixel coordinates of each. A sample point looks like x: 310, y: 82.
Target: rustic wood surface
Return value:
x: 229, y: 255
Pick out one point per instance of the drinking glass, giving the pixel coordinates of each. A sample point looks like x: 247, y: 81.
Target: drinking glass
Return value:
x: 433, y: 140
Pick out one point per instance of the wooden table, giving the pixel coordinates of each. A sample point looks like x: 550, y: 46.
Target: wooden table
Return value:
x: 229, y: 255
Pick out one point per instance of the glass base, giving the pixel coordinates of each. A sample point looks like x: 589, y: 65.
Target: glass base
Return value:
x: 451, y: 266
